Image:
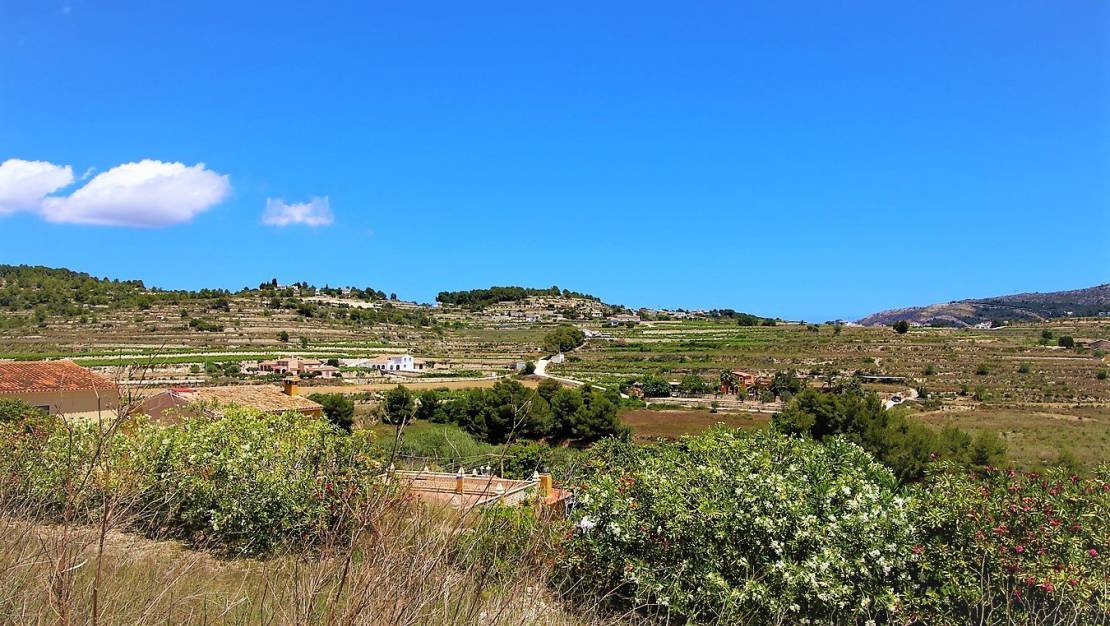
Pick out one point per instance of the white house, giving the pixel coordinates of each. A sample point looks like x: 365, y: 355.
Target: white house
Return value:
x: 388, y: 363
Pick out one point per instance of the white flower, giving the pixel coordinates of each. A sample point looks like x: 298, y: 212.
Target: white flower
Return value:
x: 586, y: 524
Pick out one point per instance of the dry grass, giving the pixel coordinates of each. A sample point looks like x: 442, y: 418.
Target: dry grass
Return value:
x: 403, y: 566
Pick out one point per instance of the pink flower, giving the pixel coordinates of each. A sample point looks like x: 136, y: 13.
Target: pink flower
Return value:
x: 1092, y: 552
x: 1019, y: 549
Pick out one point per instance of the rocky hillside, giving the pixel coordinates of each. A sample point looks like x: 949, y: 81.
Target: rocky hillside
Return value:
x: 1022, y: 307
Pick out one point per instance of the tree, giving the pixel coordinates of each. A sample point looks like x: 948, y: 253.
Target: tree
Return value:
x: 901, y: 327
x: 428, y: 408
x: 399, y: 405
x: 283, y: 337
x: 905, y: 446
x: 693, y: 385
x: 338, y: 408
x: 655, y: 387
x: 563, y: 339
x: 728, y: 381
x: 529, y: 368
x: 304, y: 342
x: 1065, y: 341
x: 564, y: 405
x: 547, y: 388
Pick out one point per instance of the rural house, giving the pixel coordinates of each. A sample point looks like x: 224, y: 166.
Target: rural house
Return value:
x: 58, y: 387
x: 182, y: 402
x: 395, y: 363
x: 299, y: 367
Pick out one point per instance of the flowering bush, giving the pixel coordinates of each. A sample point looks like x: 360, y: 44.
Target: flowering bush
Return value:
x: 246, y: 481
x: 1001, y: 546
x: 242, y: 483
x: 752, y: 528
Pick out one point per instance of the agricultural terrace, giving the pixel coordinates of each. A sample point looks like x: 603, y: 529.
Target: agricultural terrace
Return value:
x: 1045, y: 400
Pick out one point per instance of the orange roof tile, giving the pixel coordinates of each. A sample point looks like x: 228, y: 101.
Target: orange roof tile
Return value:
x: 38, y: 376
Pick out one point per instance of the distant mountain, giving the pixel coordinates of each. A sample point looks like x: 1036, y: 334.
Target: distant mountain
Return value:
x: 1022, y: 307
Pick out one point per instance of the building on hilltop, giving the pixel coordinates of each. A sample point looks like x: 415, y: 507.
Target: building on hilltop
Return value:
x: 58, y: 387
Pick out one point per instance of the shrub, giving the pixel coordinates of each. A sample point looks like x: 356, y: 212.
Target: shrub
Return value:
x: 1006, y: 547
x: 243, y: 483
x: 982, y: 370
x: 17, y: 410
x: 1101, y: 375
x: 1023, y: 368
x: 901, y: 327
x: 1065, y: 341
x: 733, y: 526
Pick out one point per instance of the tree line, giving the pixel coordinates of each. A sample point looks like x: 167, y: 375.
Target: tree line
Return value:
x: 477, y: 299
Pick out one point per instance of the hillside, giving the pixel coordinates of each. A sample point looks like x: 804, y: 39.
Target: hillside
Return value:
x: 1022, y: 307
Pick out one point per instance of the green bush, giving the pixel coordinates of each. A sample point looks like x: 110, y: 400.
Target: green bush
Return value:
x: 734, y: 527
x: 243, y: 483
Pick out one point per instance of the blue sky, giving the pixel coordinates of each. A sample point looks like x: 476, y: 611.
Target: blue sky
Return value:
x: 809, y: 160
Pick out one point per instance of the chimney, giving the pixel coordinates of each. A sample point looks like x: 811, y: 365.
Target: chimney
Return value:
x: 289, y: 386
x: 459, y: 481
x: 547, y: 488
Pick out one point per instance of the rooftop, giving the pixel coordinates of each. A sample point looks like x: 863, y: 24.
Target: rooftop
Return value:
x: 266, y: 398
x: 40, y: 376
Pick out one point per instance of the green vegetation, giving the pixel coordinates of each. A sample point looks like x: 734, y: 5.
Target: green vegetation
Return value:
x: 563, y: 339
x: 906, y: 446
x: 738, y: 528
x: 338, y: 408
x: 241, y: 484
x: 477, y: 299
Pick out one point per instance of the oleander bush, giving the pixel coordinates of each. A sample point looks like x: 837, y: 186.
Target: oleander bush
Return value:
x: 741, y: 528
x: 1000, y: 546
x: 732, y: 527
x: 242, y: 483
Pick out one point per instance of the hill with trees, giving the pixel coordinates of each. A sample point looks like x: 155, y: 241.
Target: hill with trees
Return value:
x: 477, y: 299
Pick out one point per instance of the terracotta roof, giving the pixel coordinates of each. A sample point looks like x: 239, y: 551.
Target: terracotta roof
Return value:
x: 266, y: 398
x: 39, y: 376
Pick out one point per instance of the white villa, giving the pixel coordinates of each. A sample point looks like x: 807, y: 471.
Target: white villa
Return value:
x: 388, y: 363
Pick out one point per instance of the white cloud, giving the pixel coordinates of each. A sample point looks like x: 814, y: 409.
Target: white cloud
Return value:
x: 315, y: 212
x: 147, y: 193
x: 24, y: 184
